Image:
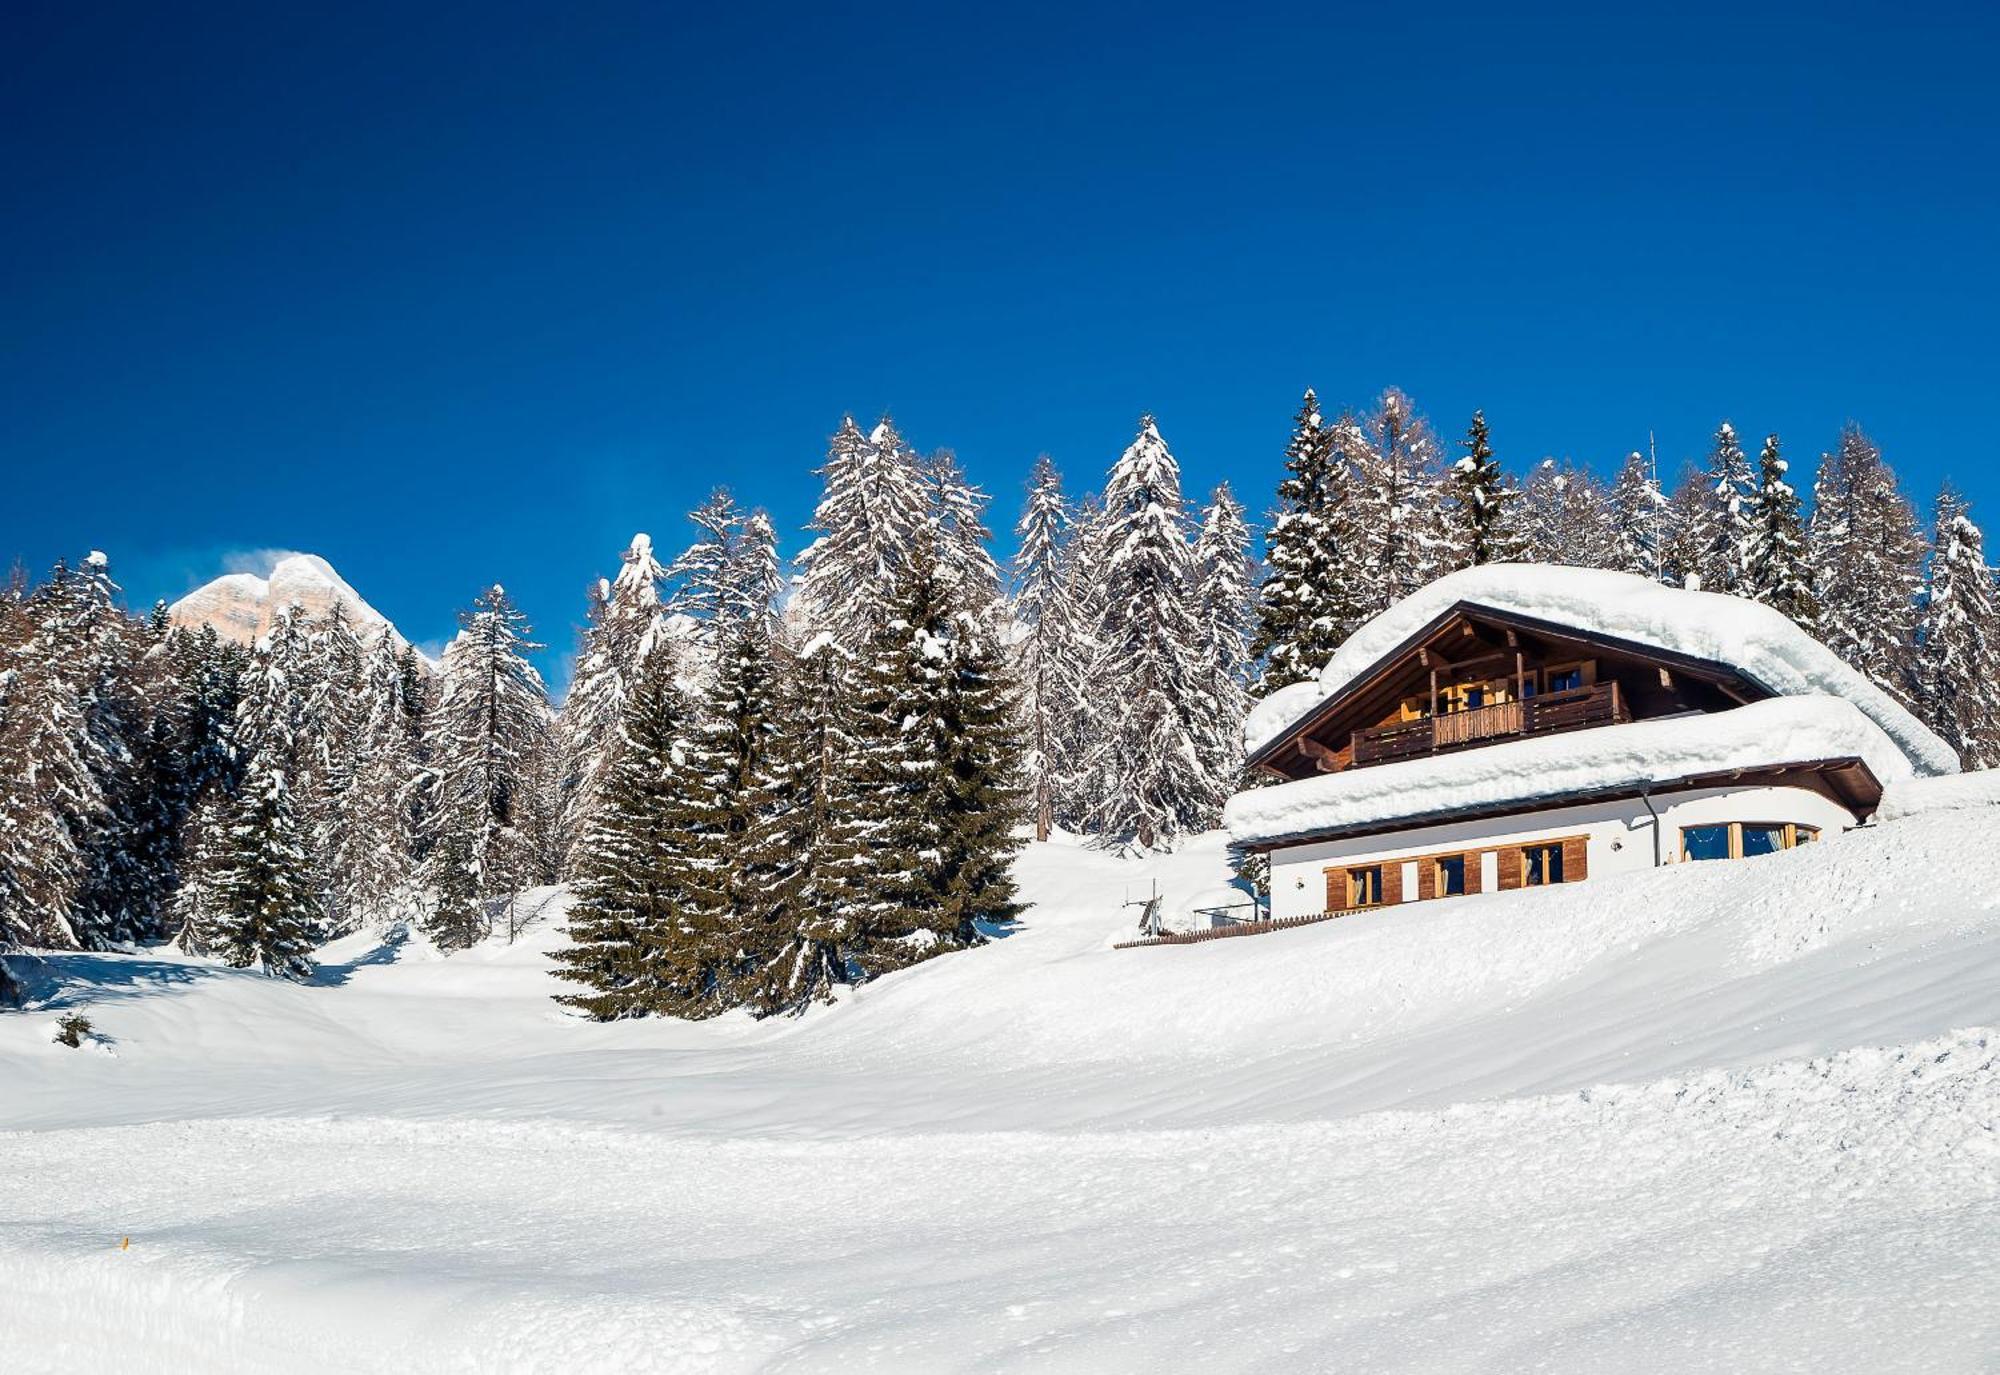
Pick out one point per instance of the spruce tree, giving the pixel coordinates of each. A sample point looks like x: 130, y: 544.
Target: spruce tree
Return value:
x: 1638, y: 519
x: 1479, y: 523
x: 1308, y: 602
x: 1073, y: 625
x: 1719, y: 524
x: 1397, y: 501
x: 373, y: 855
x: 817, y: 846
x: 267, y: 906
x: 1683, y: 531
x: 955, y: 518
x: 1038, y: 592
x: 1151, y: 767
x: 1867, y: 555
x: 1776, y: 568
x: 629, y: 893
x: 1223, y: 604
x: 937, y: 782
x: 867, y: 524
x: 1957, y: 678
x: 625, y: 628
x: 488, y: 728
x: 455, y: 915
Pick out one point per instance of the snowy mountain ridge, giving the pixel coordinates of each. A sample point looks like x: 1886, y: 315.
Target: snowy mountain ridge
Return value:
x: 240, y: 606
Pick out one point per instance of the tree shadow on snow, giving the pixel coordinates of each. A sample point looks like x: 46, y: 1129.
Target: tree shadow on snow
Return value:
x: 57, y: 980
x: 334, y: 975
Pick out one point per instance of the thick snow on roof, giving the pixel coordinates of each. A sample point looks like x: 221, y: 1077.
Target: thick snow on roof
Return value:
x: 1779, y: 730
x: 1954, y: 793
x: 1754, y: 639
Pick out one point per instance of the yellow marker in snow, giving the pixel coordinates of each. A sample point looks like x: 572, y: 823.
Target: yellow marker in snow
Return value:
x: 125, y: 1245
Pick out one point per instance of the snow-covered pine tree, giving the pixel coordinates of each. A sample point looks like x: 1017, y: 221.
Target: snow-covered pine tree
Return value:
x: 373, y: 854
x: 1396, y: 499
x: 270, y: 699
x: 1957, y: 687
x: 867, y: 522
x: 1776, y: 568
x: 1074, y: 620
x: 1590, y: 535
x: 729, y: 877
x: 1540, y: 514
x: 1638, y: 518
x: 103, y: 650
x: 809, y: 933
x: 625, y: 628
x: 71, y: 872
x: 1223, y: 604
x: 196, y: 914
x: 455, y: 912
x: 267, y: 906
x: 1037, y: 593
x: 51, y: 804
x: 1682, y: 530
x: 1479, y: 521
x: 629, y: 889
x: 937, y: 782
x: 955, y: 514
x: 331, y: 718
x: 1719, y: 524
x: 1150, y: 765
x: 1867, y: 557
x: 489, y: 725
x: 1308, y: 602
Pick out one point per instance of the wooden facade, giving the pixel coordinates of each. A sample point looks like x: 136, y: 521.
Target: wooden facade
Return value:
x: 1516, y: 867
x: 1477, y: 677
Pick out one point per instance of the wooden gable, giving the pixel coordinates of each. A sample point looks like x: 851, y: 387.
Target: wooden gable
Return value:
x: 1476, y: 676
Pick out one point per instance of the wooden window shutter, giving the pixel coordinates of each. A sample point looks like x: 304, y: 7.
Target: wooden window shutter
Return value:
x: 1427, y: 887
x: 1336, y: 890
x: 1576, y: 859
x: 1473, y: 864
x: 1510, y: 867
x: 1392, y: 882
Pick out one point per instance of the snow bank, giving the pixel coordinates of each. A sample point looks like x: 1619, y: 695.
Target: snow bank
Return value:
x: 1778, y: 730
x: 1758, y: 641
x: 1951, y: 793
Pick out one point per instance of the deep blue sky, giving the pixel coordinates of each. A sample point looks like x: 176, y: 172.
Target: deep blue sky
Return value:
x: 451, y: 294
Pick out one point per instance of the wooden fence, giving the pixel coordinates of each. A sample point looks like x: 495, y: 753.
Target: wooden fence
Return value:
x: 1248, y: 928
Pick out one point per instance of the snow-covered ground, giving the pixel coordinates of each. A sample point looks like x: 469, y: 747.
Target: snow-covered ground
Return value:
x: 1725, y: 1117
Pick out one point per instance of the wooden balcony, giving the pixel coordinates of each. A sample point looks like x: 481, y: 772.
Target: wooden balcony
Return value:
x: 1575, y: 709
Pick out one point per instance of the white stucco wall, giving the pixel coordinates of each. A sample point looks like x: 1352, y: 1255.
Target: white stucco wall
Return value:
x: 1620, y: 838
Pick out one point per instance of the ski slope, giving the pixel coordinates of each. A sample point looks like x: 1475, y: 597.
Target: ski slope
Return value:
x: 1722, y: 1117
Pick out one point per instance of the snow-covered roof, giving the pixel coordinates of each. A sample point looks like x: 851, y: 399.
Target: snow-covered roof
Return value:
x: 1608, y: 759
x: 1760, y: 643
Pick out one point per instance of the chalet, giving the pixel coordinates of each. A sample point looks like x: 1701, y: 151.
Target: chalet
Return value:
x: 1518, y: 725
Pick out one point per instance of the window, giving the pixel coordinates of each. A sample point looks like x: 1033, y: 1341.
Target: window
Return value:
x: 1450, y: 876
x: 1762, y: 840
x: 1705, y: 842
x: 1475, y: 698
x: 1364, y: 886
x: 1566, y: 679
x: 1739, y: 839
x: 1541, y: 865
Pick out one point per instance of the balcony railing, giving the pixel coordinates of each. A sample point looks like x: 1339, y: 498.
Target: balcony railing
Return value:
x: 1573, y: 709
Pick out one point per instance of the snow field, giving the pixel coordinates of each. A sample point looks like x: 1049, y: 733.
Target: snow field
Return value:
x: 1720, y: 1117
